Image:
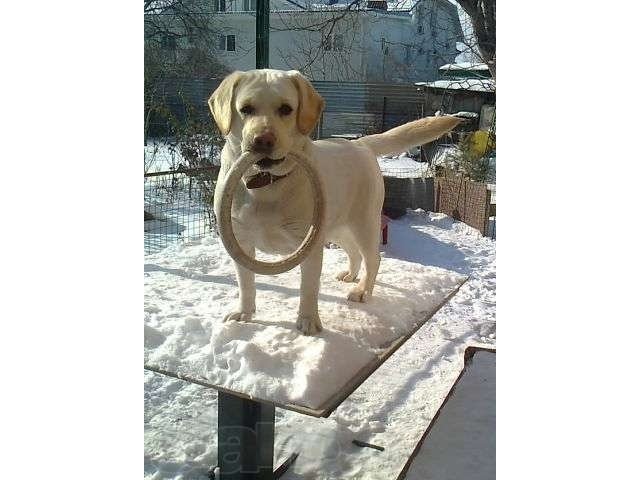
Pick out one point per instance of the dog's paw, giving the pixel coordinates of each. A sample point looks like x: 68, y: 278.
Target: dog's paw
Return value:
x: 345, y: 276
x: 357, y: 294
x: 237, y: 317
x: 309, y: 324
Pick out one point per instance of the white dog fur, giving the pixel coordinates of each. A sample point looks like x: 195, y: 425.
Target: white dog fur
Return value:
x: 273, y: 112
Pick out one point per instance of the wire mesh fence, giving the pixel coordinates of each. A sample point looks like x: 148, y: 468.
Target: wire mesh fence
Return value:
x: 178, y: 205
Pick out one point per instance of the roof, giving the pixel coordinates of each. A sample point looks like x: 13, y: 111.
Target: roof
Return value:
x: 406, y: 6
x: 391, y: 8
x: 465, y: 66
x: 469, y: 84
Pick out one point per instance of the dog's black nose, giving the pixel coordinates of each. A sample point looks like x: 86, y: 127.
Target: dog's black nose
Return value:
x: 264, y: 142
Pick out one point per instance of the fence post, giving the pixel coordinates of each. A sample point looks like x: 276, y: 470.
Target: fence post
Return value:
x: 487, y: 208
x: 384, y: 112
x: 262, y: 33
x: 320, y: 124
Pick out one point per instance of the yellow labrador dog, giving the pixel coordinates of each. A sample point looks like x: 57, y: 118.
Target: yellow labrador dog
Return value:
x: 273, y: 112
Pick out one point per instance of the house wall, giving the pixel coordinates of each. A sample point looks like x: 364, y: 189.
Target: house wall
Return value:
x: 379, y: 46
x: 290, y: 49
x: 239, y: 5
x: 411, y: 54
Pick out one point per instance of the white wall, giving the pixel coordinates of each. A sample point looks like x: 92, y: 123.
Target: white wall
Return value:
x: 412, y: 56
x: 406, y: 56
x: 294, y: 49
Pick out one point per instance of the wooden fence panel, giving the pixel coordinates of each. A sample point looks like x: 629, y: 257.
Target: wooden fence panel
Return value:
x: 464, y: 200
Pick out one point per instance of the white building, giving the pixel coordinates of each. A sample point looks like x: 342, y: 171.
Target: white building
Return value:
x: 380, y: 41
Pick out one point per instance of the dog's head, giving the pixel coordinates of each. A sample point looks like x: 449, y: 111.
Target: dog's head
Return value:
x: 270, y: 112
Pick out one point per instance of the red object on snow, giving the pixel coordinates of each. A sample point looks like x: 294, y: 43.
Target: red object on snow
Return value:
x: 384, y: 226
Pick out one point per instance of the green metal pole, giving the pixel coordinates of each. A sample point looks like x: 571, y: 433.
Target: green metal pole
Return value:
x: 262, y: 33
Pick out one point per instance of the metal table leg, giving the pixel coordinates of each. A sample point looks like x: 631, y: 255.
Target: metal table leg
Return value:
x: 245, y: 439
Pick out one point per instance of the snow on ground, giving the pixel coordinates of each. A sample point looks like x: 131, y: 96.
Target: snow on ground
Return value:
x: 392, y: 408
x: 402, y: 166
x: 462, y: 442
x: 161, y: 155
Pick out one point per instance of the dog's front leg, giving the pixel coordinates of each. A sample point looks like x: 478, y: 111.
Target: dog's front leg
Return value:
x: 308, y: 318
x: 247, y: 285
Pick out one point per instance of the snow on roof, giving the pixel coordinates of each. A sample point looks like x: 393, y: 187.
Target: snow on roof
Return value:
x: 465, y: 66
x: 471, y: 84
x: 403, y: 6
x: 397, y: 5
x: 467, y: 114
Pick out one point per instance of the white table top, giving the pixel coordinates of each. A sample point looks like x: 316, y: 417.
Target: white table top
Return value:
x: 268, y: 359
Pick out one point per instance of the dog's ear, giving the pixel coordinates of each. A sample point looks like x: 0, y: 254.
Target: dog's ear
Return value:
x: 310, y: 103
x: 221, y: 102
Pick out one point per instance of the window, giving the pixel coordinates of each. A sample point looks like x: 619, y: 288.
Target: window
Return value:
x: 168, y: 42
x: 338, y: 41
x: 220, y: 5
x: 420, y: 29
x: 226, y: 43
x: 334, y: 42
x: 249, y: 5
x: 231, y: 43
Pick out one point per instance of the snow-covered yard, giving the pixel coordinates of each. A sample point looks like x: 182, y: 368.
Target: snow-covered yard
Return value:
x: 161, y: 155
x: 462, y: 441
x: 392, y: 408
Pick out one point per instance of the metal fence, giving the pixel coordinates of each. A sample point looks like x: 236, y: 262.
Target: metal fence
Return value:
x: 350, y: 107
x: 177, y: 203
x: 365, y: 108
x: 178, y: 206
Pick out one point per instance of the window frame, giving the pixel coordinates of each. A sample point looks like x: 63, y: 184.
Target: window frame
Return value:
x: 231, y: 37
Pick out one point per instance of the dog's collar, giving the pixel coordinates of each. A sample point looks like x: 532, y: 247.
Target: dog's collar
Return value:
x: 262, y: 179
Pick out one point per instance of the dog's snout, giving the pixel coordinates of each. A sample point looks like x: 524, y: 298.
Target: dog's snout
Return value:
x: 264, y: 142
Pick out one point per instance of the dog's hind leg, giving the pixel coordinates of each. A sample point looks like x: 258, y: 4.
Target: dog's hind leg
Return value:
x: 349, y: 245
x: 369, y: 239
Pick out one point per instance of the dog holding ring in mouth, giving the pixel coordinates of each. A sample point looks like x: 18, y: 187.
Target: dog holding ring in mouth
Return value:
x: 271, y: 113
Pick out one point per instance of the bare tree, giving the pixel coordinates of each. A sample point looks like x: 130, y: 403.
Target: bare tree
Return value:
x: 177, y: 19
x: 326, y: 43
x: 483, y: 19
x: 179, y: 36
x: 330, y: 36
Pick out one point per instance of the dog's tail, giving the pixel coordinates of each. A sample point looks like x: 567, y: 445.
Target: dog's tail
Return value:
x: 411, y: 134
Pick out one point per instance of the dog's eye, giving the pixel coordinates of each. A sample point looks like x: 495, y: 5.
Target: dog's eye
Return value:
x: 247, y: 110
x: 285, y: 110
